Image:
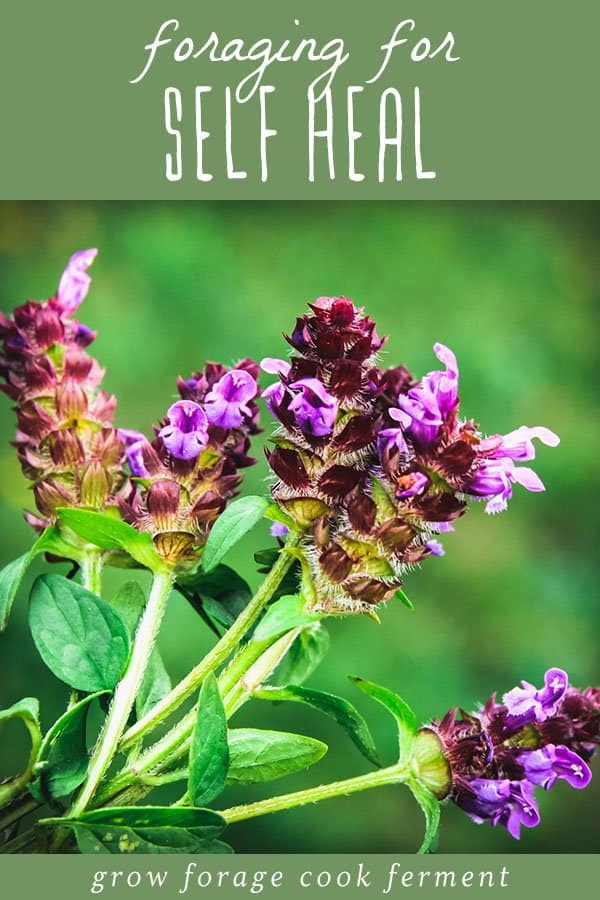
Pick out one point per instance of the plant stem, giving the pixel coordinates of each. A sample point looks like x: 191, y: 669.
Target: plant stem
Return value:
x: 252, y: 665
x: 392, y: 775
x: 126, y: 690
x: 219, y: 653
x: 91, y: 570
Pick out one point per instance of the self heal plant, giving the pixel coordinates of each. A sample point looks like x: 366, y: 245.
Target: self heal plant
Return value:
x: 371, y: 466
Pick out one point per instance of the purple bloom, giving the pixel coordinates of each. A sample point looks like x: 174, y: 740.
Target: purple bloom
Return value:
x: 546, y: 765
x: 527, y: 704
x: 433, y: 401
x: 275, y: 366
x: 412, y: 484
x: 75, y: 281
x: 315, y: 410
x: 185, y: 434
x: 135, y: 441
x: 278, y: 529
x: 391, y: 439
x: 226, y: 404
x: 435, y: 548
x: 273, y: 396
x: 494, y: 478
x: 518, y: 444
x: 507, y: 803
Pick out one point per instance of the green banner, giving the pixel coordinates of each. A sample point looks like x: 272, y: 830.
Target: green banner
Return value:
x: 291, y: 100
x: 299, y: 876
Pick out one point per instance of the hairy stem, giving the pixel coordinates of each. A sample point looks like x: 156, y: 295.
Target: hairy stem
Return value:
x: 252, y: 665
x: 219, y: 653
x: 126, y: 690
x: 392, y: 775
x: 91, y: 570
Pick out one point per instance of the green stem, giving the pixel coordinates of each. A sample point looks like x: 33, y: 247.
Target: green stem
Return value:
x: 392, y: 775
x: 91, y: 570
x: 252, y: 665
x: 219, y: 653
x: 126, y: 690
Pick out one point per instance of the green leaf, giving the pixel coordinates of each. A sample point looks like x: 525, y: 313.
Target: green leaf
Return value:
x: 238, y: 519
x: 156, y: 683
x: 110, y: 533
x: 147, y: 829
x: 82, y: 640
x: 303, y: 657
x: 283, y: 615
x: 405, y: 717
x: 257, y: 756
x: 129, y: 602
x: 63, y: 758
x: 339, y: 709
x: 10, y: 579
x: 209, y: 752
x: 12, y: 574
x: 28, y: 710
x: 430, y: 806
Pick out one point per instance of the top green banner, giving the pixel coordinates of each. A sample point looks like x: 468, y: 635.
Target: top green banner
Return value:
x: 300, y: 99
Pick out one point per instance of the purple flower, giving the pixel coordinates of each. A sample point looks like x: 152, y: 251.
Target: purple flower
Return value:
x: 75, y: 281
x: 547, y: 764
x: 278, y: 529
x: 433, y: 401
x: 411, y: 484
x: 504, y: 802
x: 275, y: 366
x: 527, y: 704
x: 494, y: 478
x: 314, y: 409
x: 226, y: 404
x: 518, y: 444
x: 185, y: 433
x: 135, y: 441
x: 496, y: 473
x: 435, y: 548
x: 390, y: 439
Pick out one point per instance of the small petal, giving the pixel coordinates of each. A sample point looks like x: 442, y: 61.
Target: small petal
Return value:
x: 275, y: 366
x: 75, y: 282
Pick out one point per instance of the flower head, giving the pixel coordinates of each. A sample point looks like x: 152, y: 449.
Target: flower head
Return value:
x: 66, y: 442
x: 188, y: 472
x: 373, y: 464
x: 499, y: 754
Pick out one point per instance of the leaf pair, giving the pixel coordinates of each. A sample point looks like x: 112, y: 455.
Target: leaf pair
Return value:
x: 407, y: 724
x: 240, y: 756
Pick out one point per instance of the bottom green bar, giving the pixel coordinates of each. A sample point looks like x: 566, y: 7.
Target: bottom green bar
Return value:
x: 291, y: 876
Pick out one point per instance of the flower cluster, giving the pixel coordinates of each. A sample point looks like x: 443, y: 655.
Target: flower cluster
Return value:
x: 372, y: 464
x: 65, y: 440
x: 497, y: 756
x: 185, y: 476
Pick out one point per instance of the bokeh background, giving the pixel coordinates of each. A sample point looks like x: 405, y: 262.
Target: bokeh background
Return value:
x: 513, y: 289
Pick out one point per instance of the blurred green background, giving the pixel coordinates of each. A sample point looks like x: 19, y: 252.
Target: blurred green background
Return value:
x: 513, y: 289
